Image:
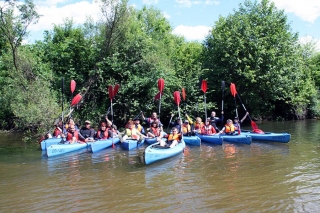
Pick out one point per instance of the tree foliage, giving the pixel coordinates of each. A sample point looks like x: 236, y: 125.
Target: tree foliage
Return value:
x: 255, y: 48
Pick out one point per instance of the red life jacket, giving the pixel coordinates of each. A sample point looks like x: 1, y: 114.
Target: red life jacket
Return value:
x: 57, y: 132
x: 208, y: 130
x: 155, y: 131
x: 105, y: 134
x: 75, y: 134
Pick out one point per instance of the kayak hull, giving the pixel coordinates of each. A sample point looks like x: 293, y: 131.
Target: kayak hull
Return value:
x: 59, y: 149
x: 153, y: 153
x: 268, y: 136
x: 215, y: 139
x: 151, y: 140
x: 132, y: 144
x: 244, y: 139
x: 192, y: 140
x: 48, y: 142
x: 103, y: 144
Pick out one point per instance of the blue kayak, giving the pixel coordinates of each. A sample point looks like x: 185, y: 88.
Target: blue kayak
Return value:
x: 192, y: 140
x: 102, y: 144
x: 245, y: 139
x: 59, y: 149
x: 131, y: 144
x: 268, y: 136
x: 151, y: 140
x: 155, y: 153
x: 215, y: 139
x: 50, y: 141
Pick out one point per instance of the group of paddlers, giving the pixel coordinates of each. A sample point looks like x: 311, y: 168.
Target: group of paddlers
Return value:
x: 134, y: 130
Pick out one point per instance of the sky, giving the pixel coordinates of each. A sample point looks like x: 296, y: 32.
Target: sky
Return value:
x: 189, y: 18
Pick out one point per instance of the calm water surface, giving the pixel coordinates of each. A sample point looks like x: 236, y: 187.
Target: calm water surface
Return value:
x: 261, y: 177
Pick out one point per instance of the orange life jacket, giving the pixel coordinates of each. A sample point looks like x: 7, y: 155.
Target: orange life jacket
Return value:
x: 173, y: 137
x: 198, y: 125
x: 229, y: 128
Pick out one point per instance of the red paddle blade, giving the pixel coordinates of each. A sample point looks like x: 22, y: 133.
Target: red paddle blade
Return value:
x: 115, y: 89
x: 254, y: 125
x: 113, y: 146
x: 204, y: 86
x: 76, y: 99
x: 258, y: 131
x: 110, y: 91
x: 176, y: 96
x: 233, y: 89
x: 157, y: 96
x: 183, y: 94
x: 161, y: 84
x: 72, y: 86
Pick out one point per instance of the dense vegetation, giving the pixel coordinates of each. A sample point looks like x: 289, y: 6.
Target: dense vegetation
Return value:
x: 254, y: 47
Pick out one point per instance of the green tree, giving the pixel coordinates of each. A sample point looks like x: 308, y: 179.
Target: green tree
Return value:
x: 255, y: 48
x: 30, y: 103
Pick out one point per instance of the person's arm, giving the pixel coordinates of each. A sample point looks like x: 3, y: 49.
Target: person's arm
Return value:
x: 142, y: 116
x: 81, y: 138
x: 222, y: 130
x: 189, y: 119
x: 92, y: 133
x: 142, y: 130
x: 244, y: 117
x: 110, y: 134
x: 109, y: 122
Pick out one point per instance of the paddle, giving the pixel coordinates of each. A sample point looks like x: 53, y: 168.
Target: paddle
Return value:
x: 74, y: 102
x: 222, y: 88
x: 72, y: 86
x: 183, y: 92
x: 253, y: 124
x: 199, y: 83
x: 62, y: 92
x: 112, y: 93
x: 204, y: 88
x: 170, y: 121
x: 176, y: 96
x: 234, y: 92
x: 160, y: 87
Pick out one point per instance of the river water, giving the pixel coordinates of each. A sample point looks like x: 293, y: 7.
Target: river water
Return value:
x: 261, y: 177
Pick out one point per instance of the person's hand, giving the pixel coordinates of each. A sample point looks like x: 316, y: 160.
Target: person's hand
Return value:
x: 222, y: 112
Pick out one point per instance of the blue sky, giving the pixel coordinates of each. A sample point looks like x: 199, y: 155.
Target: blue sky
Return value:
x: 189, y: 18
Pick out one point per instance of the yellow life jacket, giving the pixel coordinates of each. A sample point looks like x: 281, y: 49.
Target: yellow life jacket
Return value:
x: 186, y: 128
x: 132, y: 133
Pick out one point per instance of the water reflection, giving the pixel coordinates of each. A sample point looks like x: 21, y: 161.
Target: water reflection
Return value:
x: 261, y: 177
